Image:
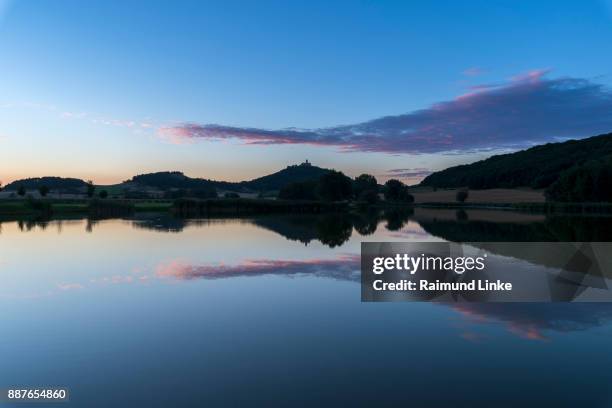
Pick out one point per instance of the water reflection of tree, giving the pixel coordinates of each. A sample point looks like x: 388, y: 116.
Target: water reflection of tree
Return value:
x: 29, y: 224
x: 301, y: 228
x: 334, y: 230
x: 331, y: 229
x: 162, y: 222
x: 366, y: 222
x: 397, y: 218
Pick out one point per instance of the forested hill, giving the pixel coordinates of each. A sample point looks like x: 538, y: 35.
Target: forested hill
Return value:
x: 173, y: 179
x: 537, y: 167
x: 290, y: 174
x: 73, y: 185
x: 165, y: 180
x: 170, y: 180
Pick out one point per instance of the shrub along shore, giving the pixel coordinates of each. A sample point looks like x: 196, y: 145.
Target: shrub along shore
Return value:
x: 180, y: 207
x: 185, y: 207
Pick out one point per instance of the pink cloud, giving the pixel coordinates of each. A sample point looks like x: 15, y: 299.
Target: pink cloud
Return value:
x: 533, y: 76
x: 526, y: 110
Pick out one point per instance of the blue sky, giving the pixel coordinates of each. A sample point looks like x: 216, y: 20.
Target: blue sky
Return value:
x: 105, y: 90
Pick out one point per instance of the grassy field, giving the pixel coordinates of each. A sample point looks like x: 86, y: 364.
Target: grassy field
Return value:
x: 14, y: 207
x: 152, y: 205
x: 49, y: 206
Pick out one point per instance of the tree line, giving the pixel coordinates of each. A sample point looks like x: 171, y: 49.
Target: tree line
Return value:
x: 588, y: 182
x: 331, y: 186
x: 336, y: 186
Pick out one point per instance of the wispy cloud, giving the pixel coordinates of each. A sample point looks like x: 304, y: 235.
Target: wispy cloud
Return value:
x: 69, y: 286
x: 417, y: 172
x: 137, y: 126
x: 526, y: 110
x: 473, y: 71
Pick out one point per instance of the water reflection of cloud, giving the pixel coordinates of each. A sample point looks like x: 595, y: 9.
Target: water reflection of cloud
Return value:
x: 532, y: 320
x: 344, y: 267
x: 69, y: 286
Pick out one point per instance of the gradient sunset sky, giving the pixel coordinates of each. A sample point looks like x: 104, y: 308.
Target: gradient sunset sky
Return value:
x: 229, y: 90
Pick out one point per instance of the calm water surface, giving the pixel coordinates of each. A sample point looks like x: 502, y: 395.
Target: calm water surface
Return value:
x: 266, y: 311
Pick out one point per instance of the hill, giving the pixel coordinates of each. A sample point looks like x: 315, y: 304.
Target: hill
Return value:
x: 65, y: 185
x: 537, y: 167
x: 174, y: 180
x: 290, y: 174
x: 165, y: 180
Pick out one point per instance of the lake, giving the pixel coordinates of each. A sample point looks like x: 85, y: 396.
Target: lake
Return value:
x: 157, y: 311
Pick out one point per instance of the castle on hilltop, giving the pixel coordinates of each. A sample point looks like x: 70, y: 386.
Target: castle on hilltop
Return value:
x: 303, y: 164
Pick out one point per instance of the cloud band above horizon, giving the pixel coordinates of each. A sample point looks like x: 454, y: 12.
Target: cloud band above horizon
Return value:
x: 527, y: 110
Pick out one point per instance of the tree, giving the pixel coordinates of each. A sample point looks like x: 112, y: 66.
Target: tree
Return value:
x: 43, y: 190
x: 369, y: 196
x: 175, y: 193
x: 0, y: 186
x: 397, y: 218
x: 230, y: 194
x: 90, y: 188
x: 363, y: 183
x: 103, y: 194
x: 334, y: 229
x: 461, y: 195
x: 589, y: 182
x: 334, y: 186
x: 21, y: 191
x: 304, y: 190
x: 395, y: 190
x: 205, y: 191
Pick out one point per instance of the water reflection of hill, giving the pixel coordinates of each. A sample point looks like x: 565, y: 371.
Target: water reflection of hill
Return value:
x: 464, y: 228
x: 479, y: 231
x: 295, y: 228
x: 332, y: 230
x: 335, y: 229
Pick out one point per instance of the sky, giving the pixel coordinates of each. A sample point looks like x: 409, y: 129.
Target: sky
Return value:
x: 233, y: 90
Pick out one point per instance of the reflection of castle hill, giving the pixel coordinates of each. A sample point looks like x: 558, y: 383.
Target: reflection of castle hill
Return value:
x: 497, y: 226
x: 331, y: 229
x: 334, y: 228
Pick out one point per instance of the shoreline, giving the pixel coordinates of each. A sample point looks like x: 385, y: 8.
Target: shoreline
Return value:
x: 194, y: 207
